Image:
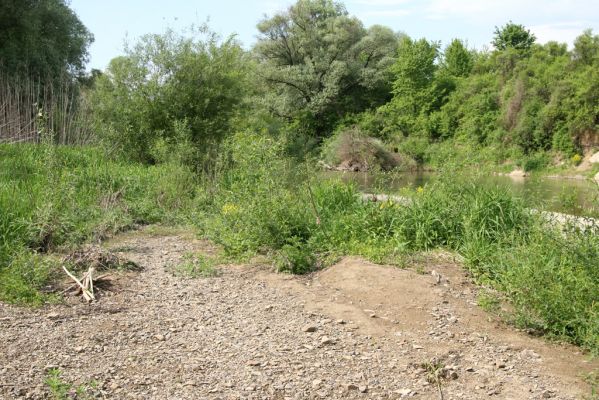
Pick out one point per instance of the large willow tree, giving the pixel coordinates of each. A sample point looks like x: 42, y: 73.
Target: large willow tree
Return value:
x: 321, y: 63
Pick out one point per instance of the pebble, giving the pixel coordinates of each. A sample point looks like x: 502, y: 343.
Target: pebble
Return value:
x: 326, y: 340
x: 309, y: 328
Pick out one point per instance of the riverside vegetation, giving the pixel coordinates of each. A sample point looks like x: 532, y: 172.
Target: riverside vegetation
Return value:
x: 193, y: 130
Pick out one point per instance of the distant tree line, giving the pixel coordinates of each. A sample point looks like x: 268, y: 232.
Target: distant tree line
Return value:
x: 314, y: 72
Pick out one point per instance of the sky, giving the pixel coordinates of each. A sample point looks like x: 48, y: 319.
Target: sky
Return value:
x: 114, y: 21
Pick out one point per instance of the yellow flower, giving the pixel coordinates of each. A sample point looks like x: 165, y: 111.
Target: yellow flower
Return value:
x: 420, y: 189
x: 229, y: 208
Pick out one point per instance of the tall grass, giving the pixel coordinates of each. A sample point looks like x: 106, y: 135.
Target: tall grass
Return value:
x: 55, y: 197
x: 256, y: 200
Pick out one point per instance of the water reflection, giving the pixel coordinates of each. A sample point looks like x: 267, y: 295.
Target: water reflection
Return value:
x: 571, y: 196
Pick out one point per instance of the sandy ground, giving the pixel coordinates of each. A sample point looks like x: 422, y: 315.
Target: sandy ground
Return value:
x: 353, y: 331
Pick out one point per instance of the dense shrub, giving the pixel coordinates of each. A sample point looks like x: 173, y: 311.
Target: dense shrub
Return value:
x: 170, y: 92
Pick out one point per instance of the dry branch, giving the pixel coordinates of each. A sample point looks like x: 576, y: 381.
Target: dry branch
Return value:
x: 87, y: 291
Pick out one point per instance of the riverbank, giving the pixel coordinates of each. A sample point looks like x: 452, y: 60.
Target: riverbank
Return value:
x: 353, y: 331
x: 267, y: 204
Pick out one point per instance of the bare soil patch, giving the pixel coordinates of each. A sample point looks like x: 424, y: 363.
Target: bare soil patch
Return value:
x: 355, y: 330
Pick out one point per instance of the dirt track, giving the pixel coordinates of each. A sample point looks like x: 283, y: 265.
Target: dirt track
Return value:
x: 375, y: 331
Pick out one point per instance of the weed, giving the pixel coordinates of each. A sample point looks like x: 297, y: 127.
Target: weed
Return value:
x: 593, y: 380
x: 59, y: 389
x: 196, y: 266
x: 62, y: 390
x: 295, y: 257
x: 435, y: 373
x: 55, y: 197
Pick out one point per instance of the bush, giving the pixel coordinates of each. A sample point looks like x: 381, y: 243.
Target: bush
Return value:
x: 351, y: 149
x: 170, y: 92
x: 535, y: 162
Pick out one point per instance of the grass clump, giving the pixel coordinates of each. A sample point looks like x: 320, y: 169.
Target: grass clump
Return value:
x: 196, y: 266
x: 62, y: 390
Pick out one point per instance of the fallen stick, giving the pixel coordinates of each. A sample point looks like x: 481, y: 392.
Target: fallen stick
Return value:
x: 86, y: 293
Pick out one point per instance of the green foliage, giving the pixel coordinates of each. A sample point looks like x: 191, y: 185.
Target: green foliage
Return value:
x: 302, y: 221
x: 586, y: 48
x: 553, y: 283
x: 415, y: 66
x: 172, y: 94
x: 535, y: 162
x: 457, y: 60
x: 42, y: 38
x: 62, y: 390
x: 319, y: 63
x: 418, y: 92
x: 513, y: 36
x: 295, y: 257
x: 505, y: 103
x: 55, y: 196
x: 58, y: 387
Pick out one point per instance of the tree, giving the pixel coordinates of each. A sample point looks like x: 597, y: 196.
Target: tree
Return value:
x: 172, y: 92
x: 321, y: 63
x: 513, y: 36
x: 458, y: 61
x: 586, y: 48
x: 42, y: 38
x: 415, y: 67
x: 417, y: 89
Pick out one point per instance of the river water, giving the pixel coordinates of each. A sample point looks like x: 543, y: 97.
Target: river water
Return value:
x: 570, y: 196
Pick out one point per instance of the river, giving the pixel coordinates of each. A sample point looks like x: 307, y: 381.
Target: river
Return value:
x: 570, y: 196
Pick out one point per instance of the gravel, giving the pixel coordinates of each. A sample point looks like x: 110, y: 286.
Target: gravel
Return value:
x: 239, y: 336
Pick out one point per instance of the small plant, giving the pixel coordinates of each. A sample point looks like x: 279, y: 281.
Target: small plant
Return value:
x: 435, y: 370
x: 196, y: 266
x: 295, y: 257
x: 59, y: 388
x: 62, y: 390
x: 568, y: 200
x: 420, y: 270
x: 489, y: 302
x: 593, y: 380
x: 576, y: 159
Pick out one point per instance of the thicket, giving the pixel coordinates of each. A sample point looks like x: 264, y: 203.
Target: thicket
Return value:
x: 172, y: 95
x: 514, y: 102
x: 43, y: 51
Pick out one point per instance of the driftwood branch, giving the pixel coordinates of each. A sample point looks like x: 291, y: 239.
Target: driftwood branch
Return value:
x: 87, y: 289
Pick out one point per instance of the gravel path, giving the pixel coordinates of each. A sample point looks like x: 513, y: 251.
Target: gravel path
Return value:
x: 252, y: 334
